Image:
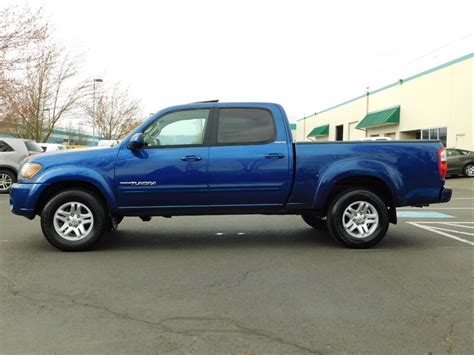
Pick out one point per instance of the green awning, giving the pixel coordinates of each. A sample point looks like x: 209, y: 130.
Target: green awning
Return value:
x: 380, y: 118
x: 321, y: 131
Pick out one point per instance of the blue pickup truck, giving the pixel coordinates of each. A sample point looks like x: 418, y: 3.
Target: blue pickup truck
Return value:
x: 228, y: 158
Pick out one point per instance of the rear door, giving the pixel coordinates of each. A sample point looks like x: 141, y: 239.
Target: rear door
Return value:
x: 249, y: 162
x: 455, y: 161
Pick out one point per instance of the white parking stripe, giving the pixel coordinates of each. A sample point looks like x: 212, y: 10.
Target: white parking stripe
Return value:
x: 437, y: 231
x: 453, y: 231
x: 459, y: 224
x: 437, y: 208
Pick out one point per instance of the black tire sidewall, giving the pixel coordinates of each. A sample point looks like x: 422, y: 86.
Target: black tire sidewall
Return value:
x: 464, y: 170
x: 75, y: 195
x: 337, y: 209
x: 12, y: 176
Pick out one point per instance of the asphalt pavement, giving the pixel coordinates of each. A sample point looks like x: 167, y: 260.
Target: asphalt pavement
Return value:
x: 242, y: 284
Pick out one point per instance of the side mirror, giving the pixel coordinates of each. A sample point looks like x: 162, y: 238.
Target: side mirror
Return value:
x: 136, y: 142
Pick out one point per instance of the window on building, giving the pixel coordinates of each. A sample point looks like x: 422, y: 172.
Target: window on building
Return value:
x: 435, y: 133
x: 245, y: 126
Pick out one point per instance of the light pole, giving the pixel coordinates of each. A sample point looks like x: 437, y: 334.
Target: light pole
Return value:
x: 94, y: 108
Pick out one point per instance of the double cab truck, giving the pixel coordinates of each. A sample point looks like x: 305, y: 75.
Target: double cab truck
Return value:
x: 228, y: 158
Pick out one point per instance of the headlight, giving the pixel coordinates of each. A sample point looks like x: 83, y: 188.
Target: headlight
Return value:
x: 28, y: 170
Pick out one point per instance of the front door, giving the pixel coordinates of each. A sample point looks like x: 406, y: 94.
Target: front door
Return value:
x: 249, y: 162
x: 171, y: 169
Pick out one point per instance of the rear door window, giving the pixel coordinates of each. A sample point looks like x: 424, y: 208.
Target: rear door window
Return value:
x: 245, y: 126
x: 32, y: 146
x: 4, y: 147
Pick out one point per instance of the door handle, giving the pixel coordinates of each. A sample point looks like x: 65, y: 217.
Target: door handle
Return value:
x: 191, y: 158
x: 274, y: 156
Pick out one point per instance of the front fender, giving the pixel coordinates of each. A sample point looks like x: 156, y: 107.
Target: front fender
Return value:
x: 343, y: 169
x: 73, y: 173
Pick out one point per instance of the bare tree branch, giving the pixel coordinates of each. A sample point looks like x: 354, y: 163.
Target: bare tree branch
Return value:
x: 114, y: 113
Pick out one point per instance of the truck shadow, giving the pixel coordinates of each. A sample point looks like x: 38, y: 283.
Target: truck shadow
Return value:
x: 128, y: 240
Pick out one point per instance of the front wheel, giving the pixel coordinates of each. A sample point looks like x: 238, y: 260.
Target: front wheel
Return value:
x: 358, y: 219
x: 73, y: 220
x: 469, y: 170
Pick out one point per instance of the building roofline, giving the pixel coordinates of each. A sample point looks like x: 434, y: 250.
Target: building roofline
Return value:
x: 412, y: 77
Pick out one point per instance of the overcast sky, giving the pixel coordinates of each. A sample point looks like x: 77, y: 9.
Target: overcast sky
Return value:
x: 306, y: 55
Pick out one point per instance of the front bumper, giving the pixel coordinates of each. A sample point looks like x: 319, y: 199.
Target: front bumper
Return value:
x: 445, y: 195
x: 23, y: 199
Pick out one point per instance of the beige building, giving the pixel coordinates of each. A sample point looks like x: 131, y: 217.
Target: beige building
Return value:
x: 435, y: 104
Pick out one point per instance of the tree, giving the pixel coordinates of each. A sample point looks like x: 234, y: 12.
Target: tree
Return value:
x: 113, y: 112
x: 43, y: 89
x: 20, y: 30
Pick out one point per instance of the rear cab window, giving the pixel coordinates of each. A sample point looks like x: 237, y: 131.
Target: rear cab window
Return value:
x: 32, y: 146
x: 244, y: 126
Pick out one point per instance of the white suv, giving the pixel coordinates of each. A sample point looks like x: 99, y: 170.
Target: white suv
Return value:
x: 12, y: 153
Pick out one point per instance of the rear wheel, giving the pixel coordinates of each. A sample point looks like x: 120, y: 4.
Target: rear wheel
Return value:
x: 315, y: 221
x: 469, y: 170
x: 358, y: 219
x: 7, y: 179
x: 73, y: 220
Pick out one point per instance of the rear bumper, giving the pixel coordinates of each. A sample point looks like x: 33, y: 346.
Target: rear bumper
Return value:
x: 445, y: 195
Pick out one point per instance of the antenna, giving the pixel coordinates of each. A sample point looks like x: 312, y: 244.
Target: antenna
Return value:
x: 205, y: 102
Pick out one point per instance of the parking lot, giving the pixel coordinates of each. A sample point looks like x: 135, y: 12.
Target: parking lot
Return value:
x: 238, y: 284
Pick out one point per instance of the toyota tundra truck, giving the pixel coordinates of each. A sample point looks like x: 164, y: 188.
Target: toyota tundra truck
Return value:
x: 225, y: 159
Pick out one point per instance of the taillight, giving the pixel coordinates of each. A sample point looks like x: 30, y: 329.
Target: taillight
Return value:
x: 442, y: 162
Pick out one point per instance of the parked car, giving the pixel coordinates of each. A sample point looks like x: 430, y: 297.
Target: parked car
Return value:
x: 51, y: 147
x: 229, y: 158
x: 12, y: 153
x: 108, y: 142
x: 76, y: 146
x: 460, y: 162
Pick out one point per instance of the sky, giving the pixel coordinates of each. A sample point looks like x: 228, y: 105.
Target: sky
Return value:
x: 305, y: 55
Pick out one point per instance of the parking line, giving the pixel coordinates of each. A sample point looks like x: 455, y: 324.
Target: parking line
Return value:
x: 459, y: 224
x: 441, y: 232
x: 437, y: 208
x: 422, y: 214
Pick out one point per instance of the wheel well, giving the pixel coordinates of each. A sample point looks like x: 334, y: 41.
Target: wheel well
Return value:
x: 369, y: 183
x: 7, y: 168
x: 56, y: 187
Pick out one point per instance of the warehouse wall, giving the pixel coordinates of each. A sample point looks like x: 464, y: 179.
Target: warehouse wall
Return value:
x: 442, y: 97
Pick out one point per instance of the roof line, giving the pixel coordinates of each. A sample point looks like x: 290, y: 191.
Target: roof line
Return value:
x: 415, y: 76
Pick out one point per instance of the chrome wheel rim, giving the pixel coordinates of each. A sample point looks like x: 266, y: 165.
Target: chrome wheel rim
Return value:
x: 5, y: 182
x: 360, y: 219
x: 73, y: 221
x: 470, y: 170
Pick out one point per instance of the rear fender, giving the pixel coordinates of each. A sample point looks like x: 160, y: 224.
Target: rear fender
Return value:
x: 343, y: 169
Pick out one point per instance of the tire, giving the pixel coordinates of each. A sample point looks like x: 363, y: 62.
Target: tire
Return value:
x: 7, y: 179
x: 354, y: 228
x: 317, y: 222
x: 68, y: 211
x: 468, y: 170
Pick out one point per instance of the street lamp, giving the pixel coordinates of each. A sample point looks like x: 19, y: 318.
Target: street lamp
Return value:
x: 94, y: 107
